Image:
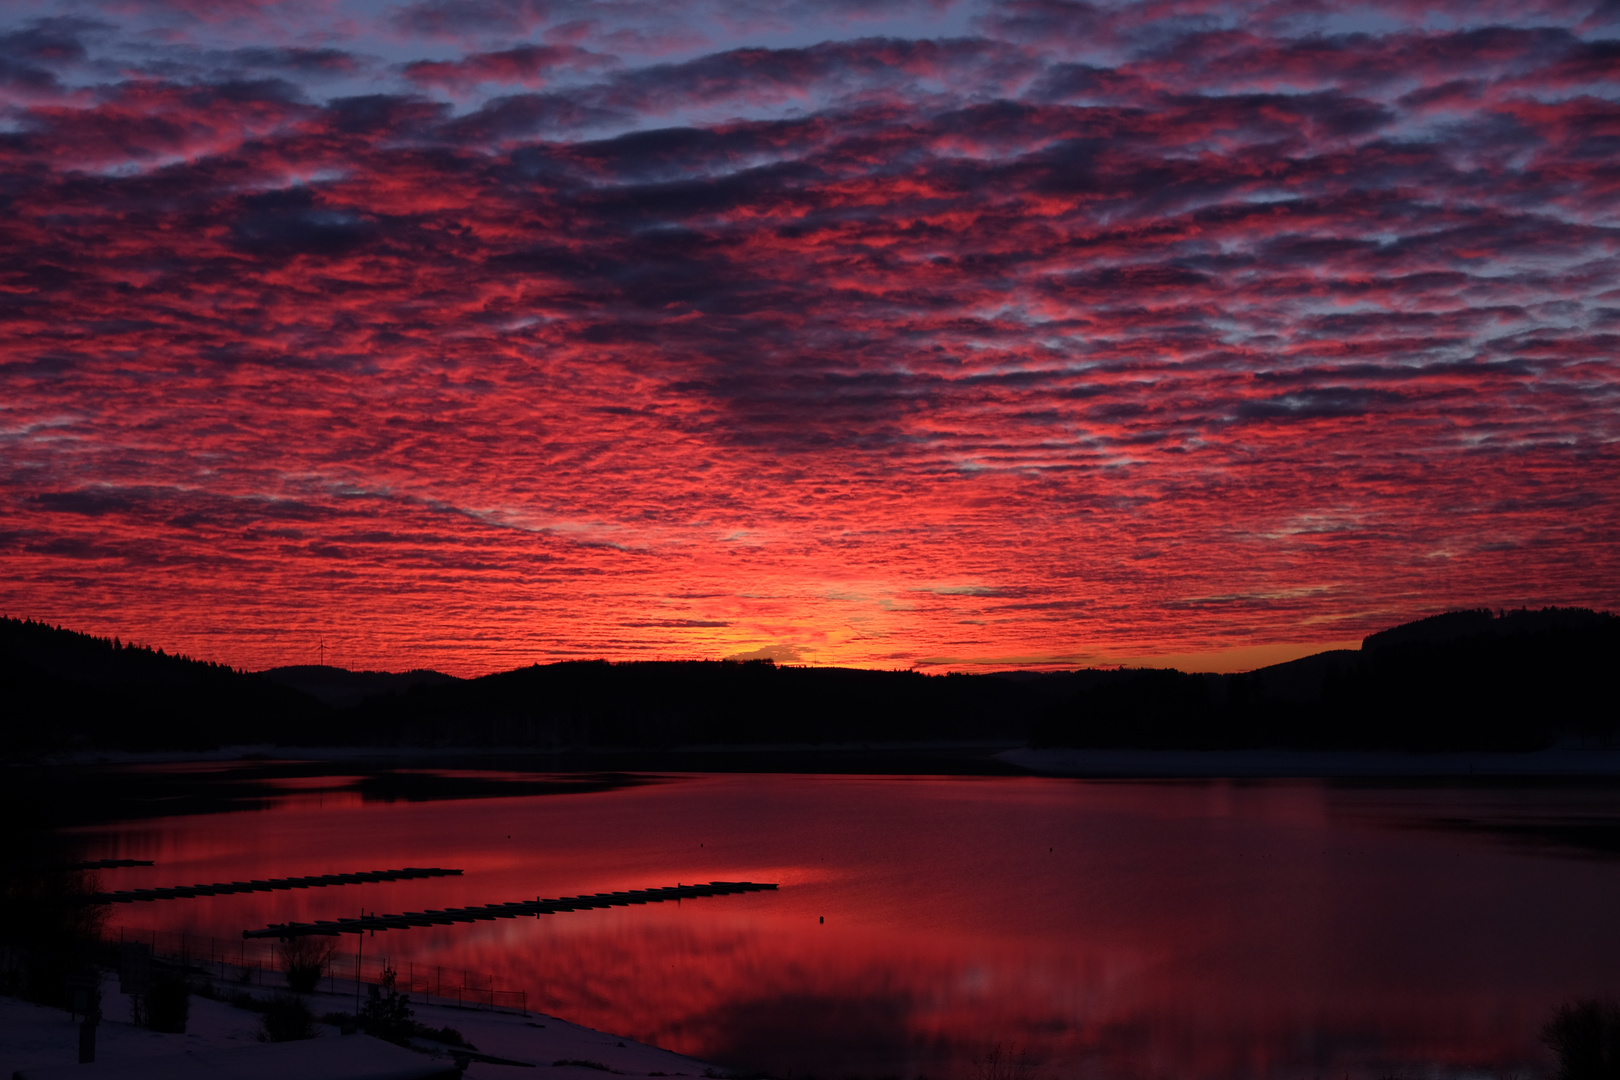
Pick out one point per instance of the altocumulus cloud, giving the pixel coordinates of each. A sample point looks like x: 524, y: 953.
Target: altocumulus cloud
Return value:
x: 496, y: 331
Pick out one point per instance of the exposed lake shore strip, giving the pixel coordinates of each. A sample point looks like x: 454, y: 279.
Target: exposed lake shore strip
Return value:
x: 33, y: 1036
x: 1569, y: 758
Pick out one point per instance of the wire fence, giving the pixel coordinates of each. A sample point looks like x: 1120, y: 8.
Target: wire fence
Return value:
x: 257, y: 963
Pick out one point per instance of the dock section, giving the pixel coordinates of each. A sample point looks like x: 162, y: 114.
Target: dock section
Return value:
x: 184, y: 892
x: 505, y: 911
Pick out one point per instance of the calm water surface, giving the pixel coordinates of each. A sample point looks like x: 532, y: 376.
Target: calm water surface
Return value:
x: 1105, y: 929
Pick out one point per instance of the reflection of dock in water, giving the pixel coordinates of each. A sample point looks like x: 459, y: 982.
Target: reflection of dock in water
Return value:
x: 183, y: 892
x: 505, y: 911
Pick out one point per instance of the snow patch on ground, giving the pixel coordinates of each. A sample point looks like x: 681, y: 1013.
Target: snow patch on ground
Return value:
x: 33, y: 1035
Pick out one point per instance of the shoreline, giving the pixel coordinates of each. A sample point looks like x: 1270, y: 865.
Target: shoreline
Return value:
x: 34, y: 1036
x: 945, y: 758
x: 958, y: 758
x: 1555, y: 763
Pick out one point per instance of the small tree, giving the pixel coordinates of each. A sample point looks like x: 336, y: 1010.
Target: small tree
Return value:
x: 48, y: 929
x: 305, y: 960
x: 387, y: 1013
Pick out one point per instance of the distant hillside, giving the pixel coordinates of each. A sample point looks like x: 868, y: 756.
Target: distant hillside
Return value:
x: 1461, y: 680
x: 1513, y: 680
x: 1467, y: 679
x: 662, y: 704
x: 62, y: 690
x: 341, y: 688
x: 1481, y: 623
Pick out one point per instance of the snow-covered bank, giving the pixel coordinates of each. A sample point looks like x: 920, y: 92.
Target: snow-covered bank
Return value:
x: 32, y: 1035
x: 1561, y: 761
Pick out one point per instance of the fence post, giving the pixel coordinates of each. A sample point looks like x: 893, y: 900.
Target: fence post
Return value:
x: 359, y: 951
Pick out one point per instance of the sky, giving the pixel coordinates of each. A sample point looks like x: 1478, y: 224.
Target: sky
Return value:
x: 947, y: 334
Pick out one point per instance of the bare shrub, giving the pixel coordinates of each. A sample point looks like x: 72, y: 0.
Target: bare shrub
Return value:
x: 48, y: 930
x: 1586, y: 1037
x: 1001, y: 1064
x: 305, y: 960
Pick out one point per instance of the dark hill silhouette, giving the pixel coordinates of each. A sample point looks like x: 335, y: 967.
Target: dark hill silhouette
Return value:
x: 62, y: 690
x: 1509, y: 681
x: 341, y: 688
x: 1299, y: 681
x: 1461, y: 680
x: 666, y: 703
x: 1480, y: 622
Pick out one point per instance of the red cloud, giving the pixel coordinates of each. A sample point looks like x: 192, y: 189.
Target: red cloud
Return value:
x: 527, y: 65
x: 932, y: 351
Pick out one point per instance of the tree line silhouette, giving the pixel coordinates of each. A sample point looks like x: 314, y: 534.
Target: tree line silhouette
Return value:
x: 1463, y: 680
x: 1510, y: 680
x: 63, y: 690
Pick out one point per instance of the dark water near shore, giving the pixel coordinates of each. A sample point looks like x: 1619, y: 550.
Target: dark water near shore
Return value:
x: 1105, y: 929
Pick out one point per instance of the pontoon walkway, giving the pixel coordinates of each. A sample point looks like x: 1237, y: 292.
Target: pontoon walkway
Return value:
x: 504, y: 911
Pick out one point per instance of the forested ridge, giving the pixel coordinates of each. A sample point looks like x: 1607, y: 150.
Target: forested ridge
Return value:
x: 63, y: 690
x: 1511, y: 680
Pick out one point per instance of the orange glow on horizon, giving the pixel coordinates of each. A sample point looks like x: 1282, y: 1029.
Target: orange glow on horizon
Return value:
x: 1082, y: 335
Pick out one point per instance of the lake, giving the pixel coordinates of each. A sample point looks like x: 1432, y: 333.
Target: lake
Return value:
x: 1109, y: 929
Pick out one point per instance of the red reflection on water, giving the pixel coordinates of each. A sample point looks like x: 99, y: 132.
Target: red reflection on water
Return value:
x: 1108, y: 929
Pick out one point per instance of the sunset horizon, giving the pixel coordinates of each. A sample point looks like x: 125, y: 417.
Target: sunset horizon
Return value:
x: 950, y: 336
x: 810, y: 539
x: 335, y: 652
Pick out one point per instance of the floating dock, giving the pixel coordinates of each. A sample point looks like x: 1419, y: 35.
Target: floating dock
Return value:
x: 183, y: 892
x: 505, y: 911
